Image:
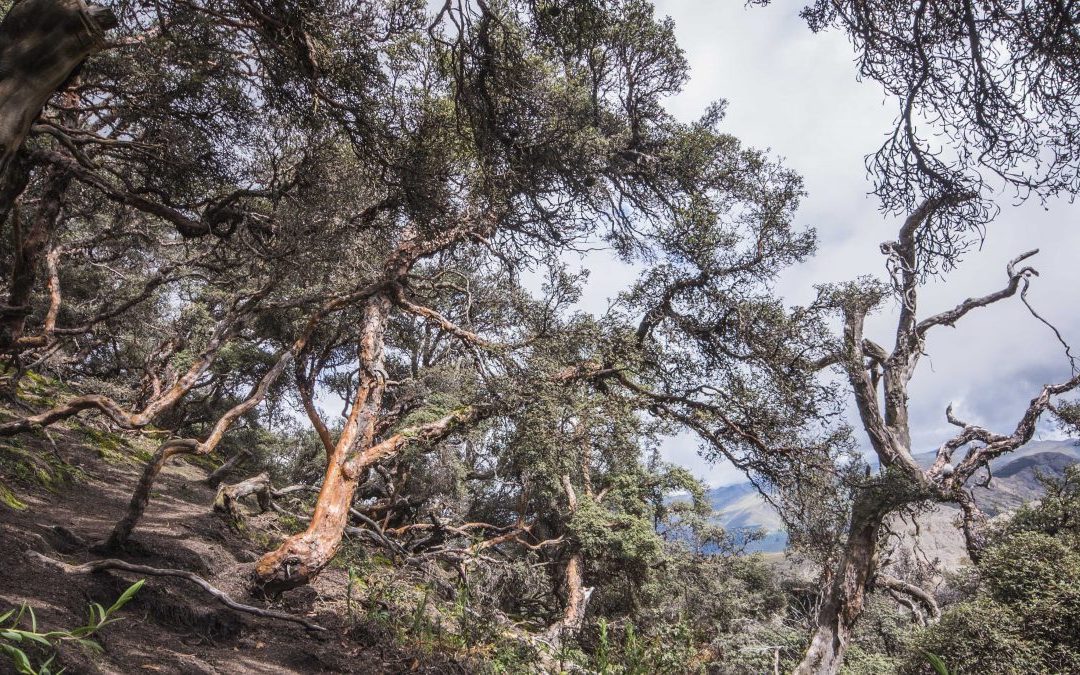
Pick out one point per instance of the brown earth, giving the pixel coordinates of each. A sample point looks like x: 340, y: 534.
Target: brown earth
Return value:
x: 171, y: 626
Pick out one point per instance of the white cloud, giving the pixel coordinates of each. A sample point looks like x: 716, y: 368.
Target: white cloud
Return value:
x: 796, y: 93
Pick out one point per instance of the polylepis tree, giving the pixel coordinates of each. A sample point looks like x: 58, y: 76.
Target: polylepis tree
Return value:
x: 42, y: 44
x: 532, y: 133
x: 879, y: 379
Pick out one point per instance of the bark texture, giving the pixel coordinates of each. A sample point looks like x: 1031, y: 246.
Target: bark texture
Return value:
x: 29, y: 247
x: 577, y: 594
x: 844, y: 599
x: 302, y: 556
x: 42, y: 42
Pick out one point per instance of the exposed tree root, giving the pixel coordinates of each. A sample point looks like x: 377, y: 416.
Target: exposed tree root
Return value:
x: 111, y: 563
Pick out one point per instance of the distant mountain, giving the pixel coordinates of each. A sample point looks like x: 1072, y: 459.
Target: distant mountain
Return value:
x: 739, y: 507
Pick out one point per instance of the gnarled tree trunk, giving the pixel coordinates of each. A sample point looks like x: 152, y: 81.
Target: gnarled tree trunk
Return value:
x: 302, y: 556
x: 29, y: 248
x: 41, y: 43
x: 189, y: 446
x: 846, y: 595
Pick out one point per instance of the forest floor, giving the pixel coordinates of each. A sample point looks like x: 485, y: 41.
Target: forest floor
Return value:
x: 58, y: 492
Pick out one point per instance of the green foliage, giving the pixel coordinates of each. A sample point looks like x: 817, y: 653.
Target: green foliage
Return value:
x: 12, y: 637
x: 604, y: 534
x: 1068, y: 416
x: 936, y: 663
x: 1024, y: 612
x: 361, y: 143
x: 859, y: 661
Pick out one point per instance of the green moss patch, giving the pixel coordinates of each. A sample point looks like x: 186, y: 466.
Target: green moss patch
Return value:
x: 35, y: 466
x: 8, y: 499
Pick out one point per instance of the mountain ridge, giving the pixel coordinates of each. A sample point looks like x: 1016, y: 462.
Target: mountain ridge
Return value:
x: 739, y: 507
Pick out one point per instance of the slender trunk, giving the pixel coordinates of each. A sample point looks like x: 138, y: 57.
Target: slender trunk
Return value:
x: 29, y: 248
x: 41, y: 43
x: 844, y: 600
x: 141, y: 497
x: 302, y: 556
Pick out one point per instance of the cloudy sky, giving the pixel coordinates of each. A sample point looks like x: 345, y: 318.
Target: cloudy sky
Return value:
x: 796, y: 93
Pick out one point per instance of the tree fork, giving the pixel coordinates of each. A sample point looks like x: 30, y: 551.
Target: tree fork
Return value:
x: 302, y: 556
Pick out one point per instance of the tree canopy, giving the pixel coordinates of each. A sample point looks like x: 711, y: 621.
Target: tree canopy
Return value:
x: 331, y: 240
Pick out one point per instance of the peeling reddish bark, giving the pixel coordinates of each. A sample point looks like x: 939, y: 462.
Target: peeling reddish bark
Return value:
x: 302, y: 556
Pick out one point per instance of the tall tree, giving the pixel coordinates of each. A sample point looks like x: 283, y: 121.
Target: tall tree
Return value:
x: 879, y: 380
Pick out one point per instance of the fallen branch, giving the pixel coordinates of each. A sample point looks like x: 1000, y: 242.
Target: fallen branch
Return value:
x: 228, y: 496
x: 920, y: 595
x: 110, y: 563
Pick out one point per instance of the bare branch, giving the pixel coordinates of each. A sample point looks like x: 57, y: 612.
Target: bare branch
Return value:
x: 950, y: 317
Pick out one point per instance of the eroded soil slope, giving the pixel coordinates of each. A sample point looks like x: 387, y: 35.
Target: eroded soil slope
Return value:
x: 65, y: 490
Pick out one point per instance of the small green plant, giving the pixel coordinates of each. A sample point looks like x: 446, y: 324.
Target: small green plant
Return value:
x: 354, y: 578
x: 603, y: 647
x: 418, y: 613
x: 11, y: 634
x: 937, y: 663
x: 461, y: 606
x: 634, y: 652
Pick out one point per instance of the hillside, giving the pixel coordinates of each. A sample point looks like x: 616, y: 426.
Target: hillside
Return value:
x: 740, y: 506
x: 63, y: 491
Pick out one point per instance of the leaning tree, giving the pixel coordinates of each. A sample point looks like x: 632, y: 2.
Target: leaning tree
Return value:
x: 536, y: 130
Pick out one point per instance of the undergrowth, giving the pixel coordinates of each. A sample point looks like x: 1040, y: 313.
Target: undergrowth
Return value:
x: 15, y: 640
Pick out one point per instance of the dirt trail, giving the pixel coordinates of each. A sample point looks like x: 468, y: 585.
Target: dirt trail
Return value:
x: 171, y: 626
